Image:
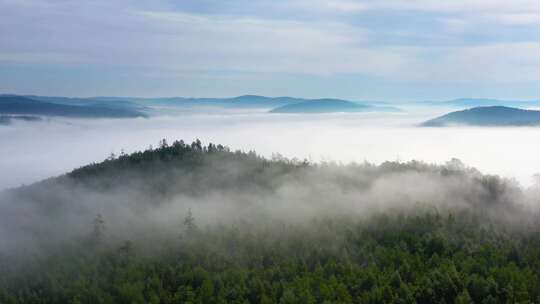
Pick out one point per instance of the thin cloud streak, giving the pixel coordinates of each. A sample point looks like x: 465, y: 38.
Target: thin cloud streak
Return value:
x: 385, y: 43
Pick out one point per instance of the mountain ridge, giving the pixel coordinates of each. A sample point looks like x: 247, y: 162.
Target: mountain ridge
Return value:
x: 272, y: 104
x: 330, y: 105
x: 20, y: 105
x: 487, y: 116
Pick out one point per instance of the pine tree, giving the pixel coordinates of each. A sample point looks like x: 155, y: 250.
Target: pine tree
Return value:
x: 98, y: 232
x: 189, y: 222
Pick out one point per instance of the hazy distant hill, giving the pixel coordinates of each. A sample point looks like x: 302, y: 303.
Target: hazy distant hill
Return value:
x: 135, y: 106
x: 484, y: 102
x: 8, y: 119
x: 487, y: 116
x: 328, y: 106
x: 90, y: 101
x: 10, y: 104
x: 256, y: 101
x: 321, y: 106
x: 245, y: 101
x: 145, y: 104
x: 132, y: 106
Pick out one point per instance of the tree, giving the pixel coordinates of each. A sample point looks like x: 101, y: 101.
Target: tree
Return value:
x: 463, y: 298
x: 288, y: 297
x: 189, y: 222
x: 126, y: 249
x: 111, y: 157
x: 197, y: 145
x: 99, y: 229
x: 163, y: 144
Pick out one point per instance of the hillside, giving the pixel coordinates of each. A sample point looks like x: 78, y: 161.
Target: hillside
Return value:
x: 187, y: 223
x: 240, y: 102
x: 10, y: 104
x: 329, y: 106
x: 487, y: 116
x: 90, y: 101
x: 321, y: 106
x: 135, y: 106
x: 8, y: 119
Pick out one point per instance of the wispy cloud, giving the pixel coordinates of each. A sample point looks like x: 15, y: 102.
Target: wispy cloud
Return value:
x: 271, y: 45
x: 329, y: 6
x: 389, y: 41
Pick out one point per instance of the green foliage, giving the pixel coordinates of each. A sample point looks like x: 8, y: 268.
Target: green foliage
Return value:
x: 425, y: 256
x: 407, y: 270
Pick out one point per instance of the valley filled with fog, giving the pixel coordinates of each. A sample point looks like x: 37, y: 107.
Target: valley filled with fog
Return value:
x: 262, y: 152
x: 37, y: 150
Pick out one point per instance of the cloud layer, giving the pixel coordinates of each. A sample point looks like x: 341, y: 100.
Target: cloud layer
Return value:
x: 55, y: 147
x: 204, y: 47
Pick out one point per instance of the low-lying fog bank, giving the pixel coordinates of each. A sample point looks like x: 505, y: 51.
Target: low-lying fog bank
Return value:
x: 144, y: 196
x: 33, y: 151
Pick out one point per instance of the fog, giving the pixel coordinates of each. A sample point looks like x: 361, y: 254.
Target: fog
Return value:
x: 30, y: 152
x: 150, y: 203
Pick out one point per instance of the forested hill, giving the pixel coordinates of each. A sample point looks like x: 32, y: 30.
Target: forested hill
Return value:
x: 487, y: 116
x: 20, y: 105
x: 329, y: 105
x: 188, y: 223
x: 185, y: 168
x: 323, y: 106
x: 181, y: 167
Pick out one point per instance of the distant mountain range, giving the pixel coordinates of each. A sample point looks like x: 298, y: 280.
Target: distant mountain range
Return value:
x: 487, y: 116
x: 136, y: 107
x: 91, y: 101
x: 20, y: 105
x: 274, y: 104
x: 329, y: 106
x: 244, y: 101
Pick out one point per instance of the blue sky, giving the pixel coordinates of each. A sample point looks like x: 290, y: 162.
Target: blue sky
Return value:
x: 392, y: 50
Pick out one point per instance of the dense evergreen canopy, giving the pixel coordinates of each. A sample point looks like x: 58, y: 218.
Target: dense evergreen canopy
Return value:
x: 478, y: 244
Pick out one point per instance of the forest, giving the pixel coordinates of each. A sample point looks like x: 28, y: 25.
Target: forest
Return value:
x: 194, y: 223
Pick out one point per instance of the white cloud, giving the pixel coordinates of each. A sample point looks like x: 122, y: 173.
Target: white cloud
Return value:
x: 272, y: 45
x: 118, y: 35
x: 121, y: 34
x: 495, y: 63
x: 515, y: 19
x: 462, y: 6
x: 344, y: 6
x: 515, y: 12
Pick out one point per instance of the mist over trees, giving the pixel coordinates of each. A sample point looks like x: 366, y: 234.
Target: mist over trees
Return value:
x: 194, y: 223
